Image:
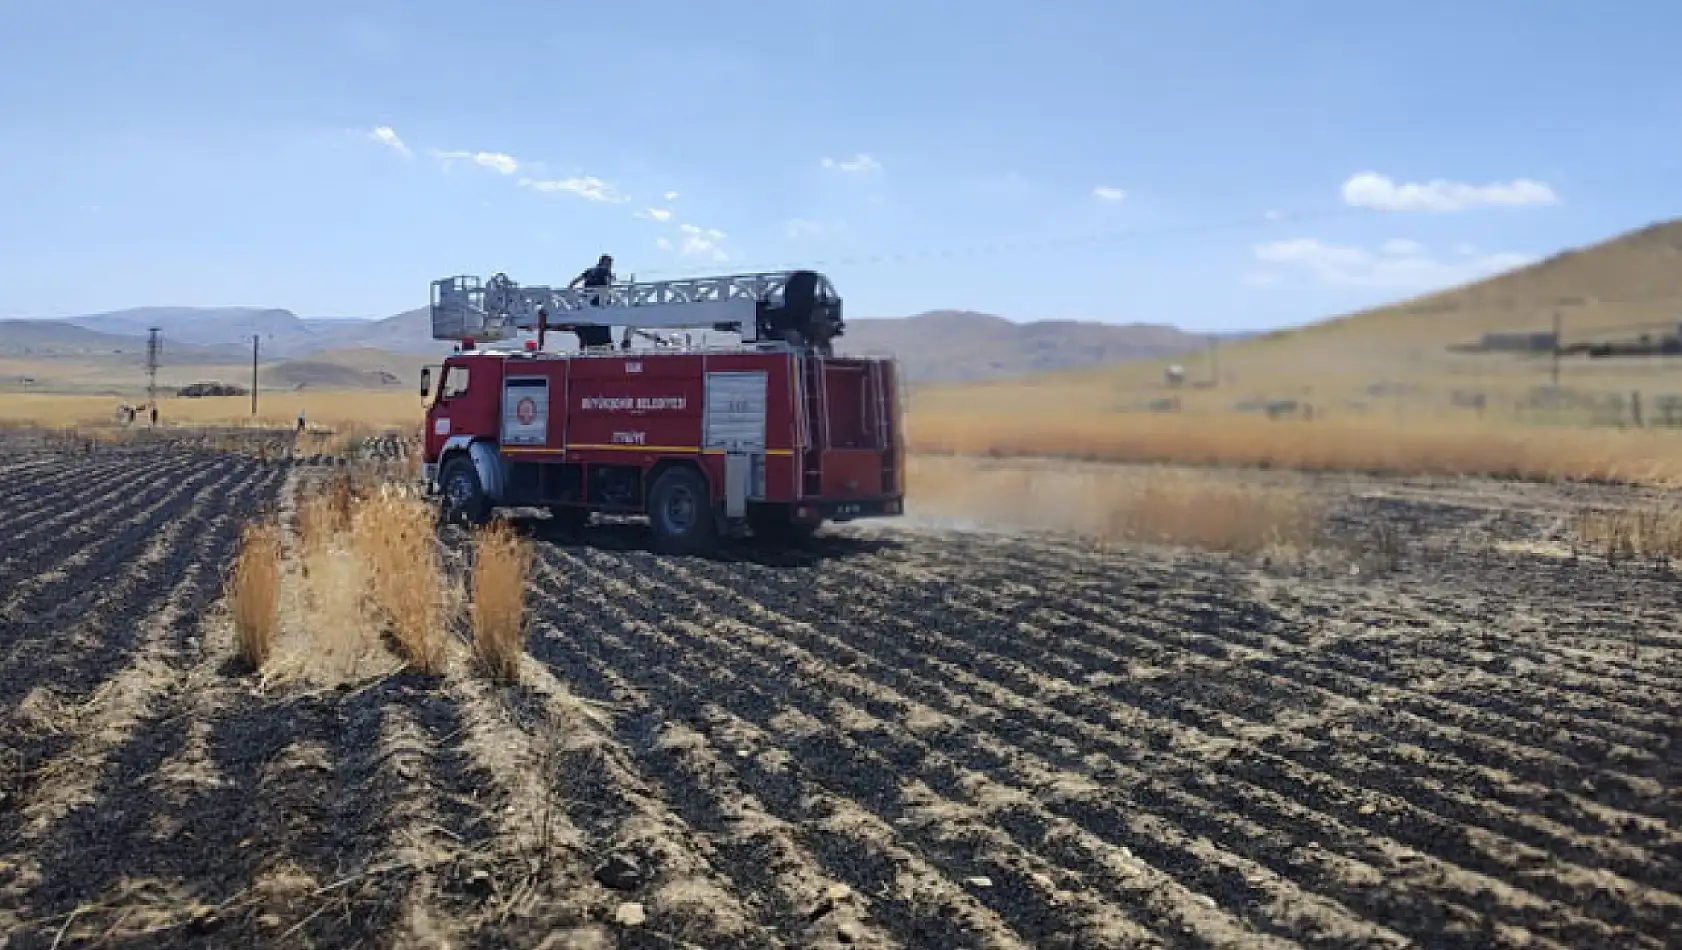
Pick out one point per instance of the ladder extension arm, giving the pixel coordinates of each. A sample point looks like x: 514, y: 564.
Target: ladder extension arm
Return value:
x: 465, y: 307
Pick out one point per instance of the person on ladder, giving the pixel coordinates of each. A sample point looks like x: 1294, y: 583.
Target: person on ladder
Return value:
x: 600, y: 275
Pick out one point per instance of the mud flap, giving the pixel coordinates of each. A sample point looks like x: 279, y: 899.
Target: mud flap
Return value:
x: 738, y: 473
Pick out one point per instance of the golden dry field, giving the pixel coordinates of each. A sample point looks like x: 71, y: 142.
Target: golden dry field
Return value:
x: 1288, y: 680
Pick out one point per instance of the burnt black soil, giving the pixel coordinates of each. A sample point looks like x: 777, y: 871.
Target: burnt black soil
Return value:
x: 887, y: 738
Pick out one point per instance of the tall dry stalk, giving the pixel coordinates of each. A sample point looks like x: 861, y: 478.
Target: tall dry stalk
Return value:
x: 393, y: 533
x: 1214, y: 514
x: 254, y: 593
x: 341, y: 495
x: 500, y: 567
x: 1650, y: 530
x: 320, y: 519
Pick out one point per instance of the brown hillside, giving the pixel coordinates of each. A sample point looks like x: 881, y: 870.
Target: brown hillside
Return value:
x: 1624, y: 284
x: 1398, y: 358
x: 324, y: 374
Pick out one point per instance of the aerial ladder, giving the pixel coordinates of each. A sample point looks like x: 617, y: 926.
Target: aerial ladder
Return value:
x: 798, y: 309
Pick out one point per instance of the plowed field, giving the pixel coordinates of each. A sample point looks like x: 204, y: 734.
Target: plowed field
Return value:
x: 900, y: 737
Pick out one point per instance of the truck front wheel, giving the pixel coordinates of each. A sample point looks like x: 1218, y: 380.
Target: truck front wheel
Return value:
x: 680, y: 511
x: 463, y: 497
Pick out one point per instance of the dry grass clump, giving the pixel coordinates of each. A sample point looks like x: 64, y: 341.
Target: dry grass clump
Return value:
x: 340, y: 438
x: 320, y: 520
x: 503, y: 559
x: 254, y: 593
x: 1368, y: 445
x: 329, y: 602
x: 392, y: 532
x: 342, y: 495
x: 1651, y: 530
x: 410, y: 466
x: 326, y: 514
x: 1209, y: 510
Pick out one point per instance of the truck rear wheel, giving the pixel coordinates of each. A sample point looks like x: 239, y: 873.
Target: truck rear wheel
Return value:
x: 463, y: 497
x: 680, y: 511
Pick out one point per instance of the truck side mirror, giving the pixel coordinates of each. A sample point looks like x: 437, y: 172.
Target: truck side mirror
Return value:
x: 426, y: 381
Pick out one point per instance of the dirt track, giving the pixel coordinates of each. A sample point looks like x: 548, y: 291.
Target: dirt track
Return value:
x: 898, y: 738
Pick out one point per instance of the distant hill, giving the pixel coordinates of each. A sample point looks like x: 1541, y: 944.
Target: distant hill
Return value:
x: 346, y: 369
x: 959, y: 345
x: 323, y: 374
x: 282, y: 333
x: 941, y: 345
x: 202, y: 326
x: 60, y: 339
x: 409, y: 332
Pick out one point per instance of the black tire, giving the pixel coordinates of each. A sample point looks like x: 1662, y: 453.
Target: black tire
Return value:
x: 463, y: 498
x: 680, y: 511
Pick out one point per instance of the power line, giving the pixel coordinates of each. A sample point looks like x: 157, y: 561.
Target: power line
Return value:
x: 154, y: 351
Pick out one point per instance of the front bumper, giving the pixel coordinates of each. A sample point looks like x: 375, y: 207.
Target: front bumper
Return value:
x: 849, y: 509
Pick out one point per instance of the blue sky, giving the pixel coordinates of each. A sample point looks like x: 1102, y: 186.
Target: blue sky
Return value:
x: 1211, y: 164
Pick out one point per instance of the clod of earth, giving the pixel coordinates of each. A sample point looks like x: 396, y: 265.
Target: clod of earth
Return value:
x: 620, y: 872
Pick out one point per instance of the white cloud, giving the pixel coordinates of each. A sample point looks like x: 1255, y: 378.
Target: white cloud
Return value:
x: 702, y: 242
x: 495, y: 161
x: 663, y: 243
x: 1108, y: 193
x: 1372, y: 190
x: 671, y: 196
x: 1398, y: 265
x: 860, y: 164
x: 386, y: 135
x: 656, y: 214
x: 587, y: 186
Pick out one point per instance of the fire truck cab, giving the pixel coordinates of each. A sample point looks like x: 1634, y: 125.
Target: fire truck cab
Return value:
x: 771, y: 436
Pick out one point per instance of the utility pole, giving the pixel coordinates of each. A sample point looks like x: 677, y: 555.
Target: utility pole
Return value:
x: 1557, y: 346
x: 254, y: 338
x: 154, y: 350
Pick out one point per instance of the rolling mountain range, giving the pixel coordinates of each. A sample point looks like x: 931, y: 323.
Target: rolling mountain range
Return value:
x: 944, y: 346
x: 218, y: 332
x: 1627, y: 283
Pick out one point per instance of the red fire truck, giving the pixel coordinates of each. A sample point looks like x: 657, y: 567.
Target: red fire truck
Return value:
x: 771, y: 435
